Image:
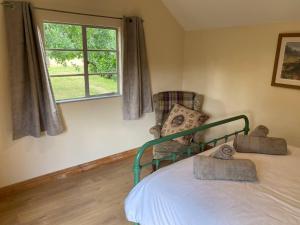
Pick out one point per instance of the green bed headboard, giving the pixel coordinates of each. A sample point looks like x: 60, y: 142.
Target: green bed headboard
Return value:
x: 137, y: 166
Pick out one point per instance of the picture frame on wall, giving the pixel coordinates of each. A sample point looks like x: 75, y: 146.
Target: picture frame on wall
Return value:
x: 286, y: 72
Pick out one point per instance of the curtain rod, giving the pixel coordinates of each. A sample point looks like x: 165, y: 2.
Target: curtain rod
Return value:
x: 10, y: 4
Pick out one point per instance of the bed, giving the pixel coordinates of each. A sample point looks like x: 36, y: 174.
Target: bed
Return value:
x: 172, y: 196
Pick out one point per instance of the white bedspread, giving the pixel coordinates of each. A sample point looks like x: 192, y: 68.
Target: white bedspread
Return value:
x: 172, y: 196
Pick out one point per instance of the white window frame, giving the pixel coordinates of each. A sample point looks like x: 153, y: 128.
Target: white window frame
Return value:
x: 87, y: 22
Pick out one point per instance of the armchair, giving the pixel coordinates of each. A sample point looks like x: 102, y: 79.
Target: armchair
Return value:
x: 163, y: 103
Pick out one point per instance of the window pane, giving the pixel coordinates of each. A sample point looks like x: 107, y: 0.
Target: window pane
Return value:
x: 62, y: 36
x: 102, y: 62
x: 102, y: 84
x: 68, y: 87
x: 100, y: 38
x: 65, y: 62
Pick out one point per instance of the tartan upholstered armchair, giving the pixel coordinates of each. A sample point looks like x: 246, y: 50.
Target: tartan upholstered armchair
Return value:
x: 163, y: 103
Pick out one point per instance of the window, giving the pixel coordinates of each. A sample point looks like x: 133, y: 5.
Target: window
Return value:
x: 83, y: 61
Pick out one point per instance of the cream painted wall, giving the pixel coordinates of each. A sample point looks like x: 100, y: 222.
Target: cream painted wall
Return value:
x: 232, y: 67
x: 95, y: 128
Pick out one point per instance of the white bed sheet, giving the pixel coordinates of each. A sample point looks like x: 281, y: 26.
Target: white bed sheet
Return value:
x: 172, y: 196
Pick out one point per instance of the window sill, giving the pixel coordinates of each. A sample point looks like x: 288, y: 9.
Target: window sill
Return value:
x: 88, y: 99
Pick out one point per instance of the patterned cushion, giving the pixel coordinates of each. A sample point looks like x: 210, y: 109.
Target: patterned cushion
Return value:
x: 180, y: 119
x: 164, y: 101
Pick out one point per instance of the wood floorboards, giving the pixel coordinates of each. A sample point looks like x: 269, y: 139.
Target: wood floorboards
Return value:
x: 94, y: 197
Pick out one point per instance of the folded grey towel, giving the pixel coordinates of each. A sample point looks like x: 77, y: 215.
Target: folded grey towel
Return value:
x: 262, y: 145
x: 223, y: 152
x: 208, y: 168
x: 260, y: 131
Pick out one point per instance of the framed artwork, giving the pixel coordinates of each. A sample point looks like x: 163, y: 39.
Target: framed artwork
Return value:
x: 286, y: 71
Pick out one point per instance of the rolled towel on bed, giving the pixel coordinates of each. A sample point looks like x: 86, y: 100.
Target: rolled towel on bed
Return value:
x: 208, y: 168
x: 223, y: 152
x: 260, y: 131
x: 262, y: 145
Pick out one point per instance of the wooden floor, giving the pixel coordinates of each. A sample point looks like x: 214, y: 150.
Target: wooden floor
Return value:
x: 90, y: 198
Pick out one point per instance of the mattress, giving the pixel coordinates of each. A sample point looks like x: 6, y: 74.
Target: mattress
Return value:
x: 172, y: 196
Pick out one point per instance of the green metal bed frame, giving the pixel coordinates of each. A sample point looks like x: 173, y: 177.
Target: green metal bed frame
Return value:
x: 137, y: 166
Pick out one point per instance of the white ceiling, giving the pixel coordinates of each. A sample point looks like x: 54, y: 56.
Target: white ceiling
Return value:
x: 199, y: 14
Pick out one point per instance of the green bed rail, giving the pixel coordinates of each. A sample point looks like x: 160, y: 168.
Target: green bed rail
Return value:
x: 137, y: 166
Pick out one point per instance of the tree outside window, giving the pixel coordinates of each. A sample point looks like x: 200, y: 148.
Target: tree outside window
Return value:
x: 83, y: 61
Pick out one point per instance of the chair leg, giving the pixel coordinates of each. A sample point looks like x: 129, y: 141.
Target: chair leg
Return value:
x: 157, y: 162
x: 173, y: 157
x: 153, y: 165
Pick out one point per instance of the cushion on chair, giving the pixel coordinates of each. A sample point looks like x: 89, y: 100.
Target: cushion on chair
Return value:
x: 164, y: 101
x: 180, y: 119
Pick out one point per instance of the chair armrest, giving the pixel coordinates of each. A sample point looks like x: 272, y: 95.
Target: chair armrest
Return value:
x: 155, y: 130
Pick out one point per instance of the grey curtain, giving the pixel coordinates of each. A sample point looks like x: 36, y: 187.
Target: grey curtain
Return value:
x: 137, y: 94
x: 33, y: 106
